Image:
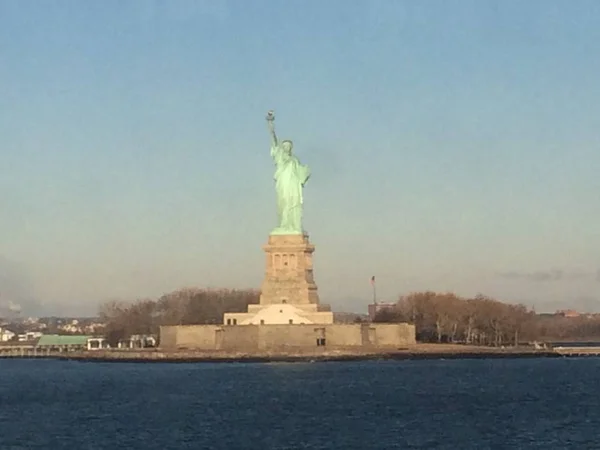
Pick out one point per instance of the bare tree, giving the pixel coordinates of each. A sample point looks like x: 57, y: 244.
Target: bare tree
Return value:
x: 186, y: 306
x: 446, y: 317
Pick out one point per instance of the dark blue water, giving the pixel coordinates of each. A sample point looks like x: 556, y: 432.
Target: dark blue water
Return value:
x: 454, y: 404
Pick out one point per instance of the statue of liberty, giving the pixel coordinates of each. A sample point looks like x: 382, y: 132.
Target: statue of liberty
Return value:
x: 290, y: 177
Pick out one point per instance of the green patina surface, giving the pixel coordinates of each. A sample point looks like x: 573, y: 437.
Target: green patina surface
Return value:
x: 290, y: 178
x: 48, y: 340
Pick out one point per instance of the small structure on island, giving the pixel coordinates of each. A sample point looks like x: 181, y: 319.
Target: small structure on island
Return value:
x: 137, y: 341
x: 97, y: 343
x: 62, y: 343
x: 289, y: 314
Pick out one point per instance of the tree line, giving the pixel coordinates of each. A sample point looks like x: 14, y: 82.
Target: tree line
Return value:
x: 189, y: 306
x: 482, y: 320
x: 438, y: 317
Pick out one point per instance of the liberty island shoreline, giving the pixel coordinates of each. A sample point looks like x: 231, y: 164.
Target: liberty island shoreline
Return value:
x: 300, y: 356
x: 416, y: 352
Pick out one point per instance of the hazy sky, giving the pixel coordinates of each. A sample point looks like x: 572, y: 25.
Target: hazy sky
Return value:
x: 454, y: 145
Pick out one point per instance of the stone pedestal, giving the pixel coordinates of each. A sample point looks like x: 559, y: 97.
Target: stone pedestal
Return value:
x: 288, y: 293
x: 289, y: 271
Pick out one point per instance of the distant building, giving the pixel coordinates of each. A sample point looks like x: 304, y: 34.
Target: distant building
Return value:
x: 374, y: 308
x: 30, y: 336
x: 6, y: 335
x: 567, y: 313
x: 94, y: 328
x: 71, y: 327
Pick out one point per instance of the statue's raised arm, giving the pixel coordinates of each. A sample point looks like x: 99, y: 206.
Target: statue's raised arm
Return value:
x: 271, y: 125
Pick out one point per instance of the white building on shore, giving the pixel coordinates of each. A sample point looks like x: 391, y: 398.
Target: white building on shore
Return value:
x: 6, y: 335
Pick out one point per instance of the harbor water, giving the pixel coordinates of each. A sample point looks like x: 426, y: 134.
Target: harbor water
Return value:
x: 431, y: 404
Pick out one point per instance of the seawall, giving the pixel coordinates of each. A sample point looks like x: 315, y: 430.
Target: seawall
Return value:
x: 416, y: 352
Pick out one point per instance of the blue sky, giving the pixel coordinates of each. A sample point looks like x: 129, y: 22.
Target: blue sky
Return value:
x: 454, y: 145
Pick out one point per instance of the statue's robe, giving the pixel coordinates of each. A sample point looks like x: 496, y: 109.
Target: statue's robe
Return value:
x: 290, y: 177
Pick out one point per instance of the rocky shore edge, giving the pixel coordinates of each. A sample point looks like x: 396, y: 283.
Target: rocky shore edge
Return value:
x: 419, y: 351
